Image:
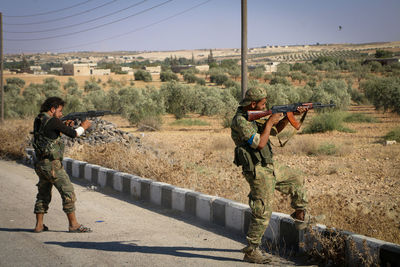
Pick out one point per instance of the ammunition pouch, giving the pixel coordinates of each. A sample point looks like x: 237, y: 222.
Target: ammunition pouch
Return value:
x: 248, y: 157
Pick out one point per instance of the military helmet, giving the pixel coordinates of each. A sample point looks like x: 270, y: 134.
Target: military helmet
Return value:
x: 253, y: 95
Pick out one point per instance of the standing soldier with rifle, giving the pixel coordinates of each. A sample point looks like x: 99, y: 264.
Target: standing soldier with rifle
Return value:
x: 253, y: 152
x: 49, y: 150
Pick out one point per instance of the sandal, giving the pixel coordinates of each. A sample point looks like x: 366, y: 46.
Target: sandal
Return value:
x: 45, y: 228
x: 81, y: 229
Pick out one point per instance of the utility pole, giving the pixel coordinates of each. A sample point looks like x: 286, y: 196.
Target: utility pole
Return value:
x: 244, y: 47
x: 1, y: 68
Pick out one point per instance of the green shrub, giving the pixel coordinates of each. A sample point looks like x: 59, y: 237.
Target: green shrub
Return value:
x: 279, y: 80
x: 178, y: 98
x: 189, y: 77
x: 325, y: 122
x: 359, y: 117
x: 141, y: 105
x: 335, y: 90
x: 218, y: 78
x: 190, y: 122
x: 91, y: 86
x: 384, y: 93
x: 16, y: 81
x: 393, y: 135
x: 167, y: 76
x: 327, y: 149
x: 70, y: 84
x: 142, y: 75
x: 200, y: 81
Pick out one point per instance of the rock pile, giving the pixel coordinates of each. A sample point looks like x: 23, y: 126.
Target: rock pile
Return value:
x: 103, y: 132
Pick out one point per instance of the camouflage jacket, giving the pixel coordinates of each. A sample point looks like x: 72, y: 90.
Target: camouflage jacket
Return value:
x: 246, y: 135
x: 45, y: 147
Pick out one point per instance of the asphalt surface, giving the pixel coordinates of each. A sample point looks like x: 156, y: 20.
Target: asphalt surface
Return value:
x: 125, y: 232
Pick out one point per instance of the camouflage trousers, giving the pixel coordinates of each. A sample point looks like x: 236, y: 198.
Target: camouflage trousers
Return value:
x: 263, y: 182
x: 52, y: 173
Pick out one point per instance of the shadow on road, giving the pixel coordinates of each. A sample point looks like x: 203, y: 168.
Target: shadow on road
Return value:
x: 133, y: 247
x: 29, y: 230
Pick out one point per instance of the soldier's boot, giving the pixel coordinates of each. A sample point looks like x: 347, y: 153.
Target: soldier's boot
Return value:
x: 302, y: 219
x: 254, y: 254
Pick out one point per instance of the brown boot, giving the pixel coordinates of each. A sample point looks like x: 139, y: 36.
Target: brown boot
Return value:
x: 302, y: 219
x: 254, y: 254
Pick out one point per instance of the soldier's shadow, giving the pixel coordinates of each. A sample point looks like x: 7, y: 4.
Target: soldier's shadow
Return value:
x: 28, y: 230
x: 187, y: 252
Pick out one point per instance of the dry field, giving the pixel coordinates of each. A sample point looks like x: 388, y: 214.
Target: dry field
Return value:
x: 357, y: 188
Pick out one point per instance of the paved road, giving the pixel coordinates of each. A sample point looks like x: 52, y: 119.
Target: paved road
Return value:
x: 126, y: 232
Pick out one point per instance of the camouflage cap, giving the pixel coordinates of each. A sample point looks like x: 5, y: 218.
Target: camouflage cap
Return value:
x: 253, y: 94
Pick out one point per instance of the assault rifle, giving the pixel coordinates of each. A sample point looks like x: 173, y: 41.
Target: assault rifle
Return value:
x: 74, y: 116
x: 288, y: 110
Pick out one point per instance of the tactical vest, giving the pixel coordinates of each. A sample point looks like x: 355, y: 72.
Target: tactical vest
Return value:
x: 45, y: 147
x: 249, y: 157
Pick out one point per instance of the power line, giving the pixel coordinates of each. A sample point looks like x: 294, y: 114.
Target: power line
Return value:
x: 50, y: 12
x: 89, y: 29
x: 83, y: 22
x: 129, y: 32
x: 58, y: 19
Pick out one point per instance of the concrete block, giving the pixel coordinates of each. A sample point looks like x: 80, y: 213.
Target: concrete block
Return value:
x: 361, y: 249
x: 166, y: 196
x: 110, y: 178
x: 234, y: 216
x: 178, y: 198
x: 288, y: 235
x: 88, y: 171
x: 219, y: 211
x: 136, y: 187
x: 273, y: 230
x: 145, y: 189
x: 67, y: 164
x: 203, y: 207
x: 308, y: 240
x: 102, y: 180
x: 126, y: 183
x: 191, y: 203
x: 155, y: 192
x: 117, y: 181
x: 389, y: 255
x: 78, y: 168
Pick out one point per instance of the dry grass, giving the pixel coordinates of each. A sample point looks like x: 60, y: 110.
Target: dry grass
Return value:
x: 13, y: 139
x: 357, y: 188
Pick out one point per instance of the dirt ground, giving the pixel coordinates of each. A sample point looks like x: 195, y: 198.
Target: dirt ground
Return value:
x: 357, y: 188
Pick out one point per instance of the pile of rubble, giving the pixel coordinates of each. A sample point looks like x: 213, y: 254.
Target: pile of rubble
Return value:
x: 103, y: 132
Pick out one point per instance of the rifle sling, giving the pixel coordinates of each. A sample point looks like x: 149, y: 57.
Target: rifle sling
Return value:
x: 282, y: 144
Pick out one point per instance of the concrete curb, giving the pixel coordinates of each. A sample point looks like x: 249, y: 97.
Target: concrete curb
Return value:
x: 232, y: 215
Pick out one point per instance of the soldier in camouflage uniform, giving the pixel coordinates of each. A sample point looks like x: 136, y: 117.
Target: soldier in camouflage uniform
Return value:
x: 253, y: 152
x: 49, y: 150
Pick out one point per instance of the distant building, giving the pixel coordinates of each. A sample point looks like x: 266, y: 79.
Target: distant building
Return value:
x: 83, y: 69
x: 271, y: 66
x: 156, y: 69
x: 35, y: 68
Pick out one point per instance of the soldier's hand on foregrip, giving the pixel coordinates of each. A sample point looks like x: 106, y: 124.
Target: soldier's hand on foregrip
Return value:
x: 69, y: 123
x: 86, y: 124
x: 300, y: 110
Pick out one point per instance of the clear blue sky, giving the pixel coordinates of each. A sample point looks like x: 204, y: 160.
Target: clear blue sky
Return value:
x: 164, y: 24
